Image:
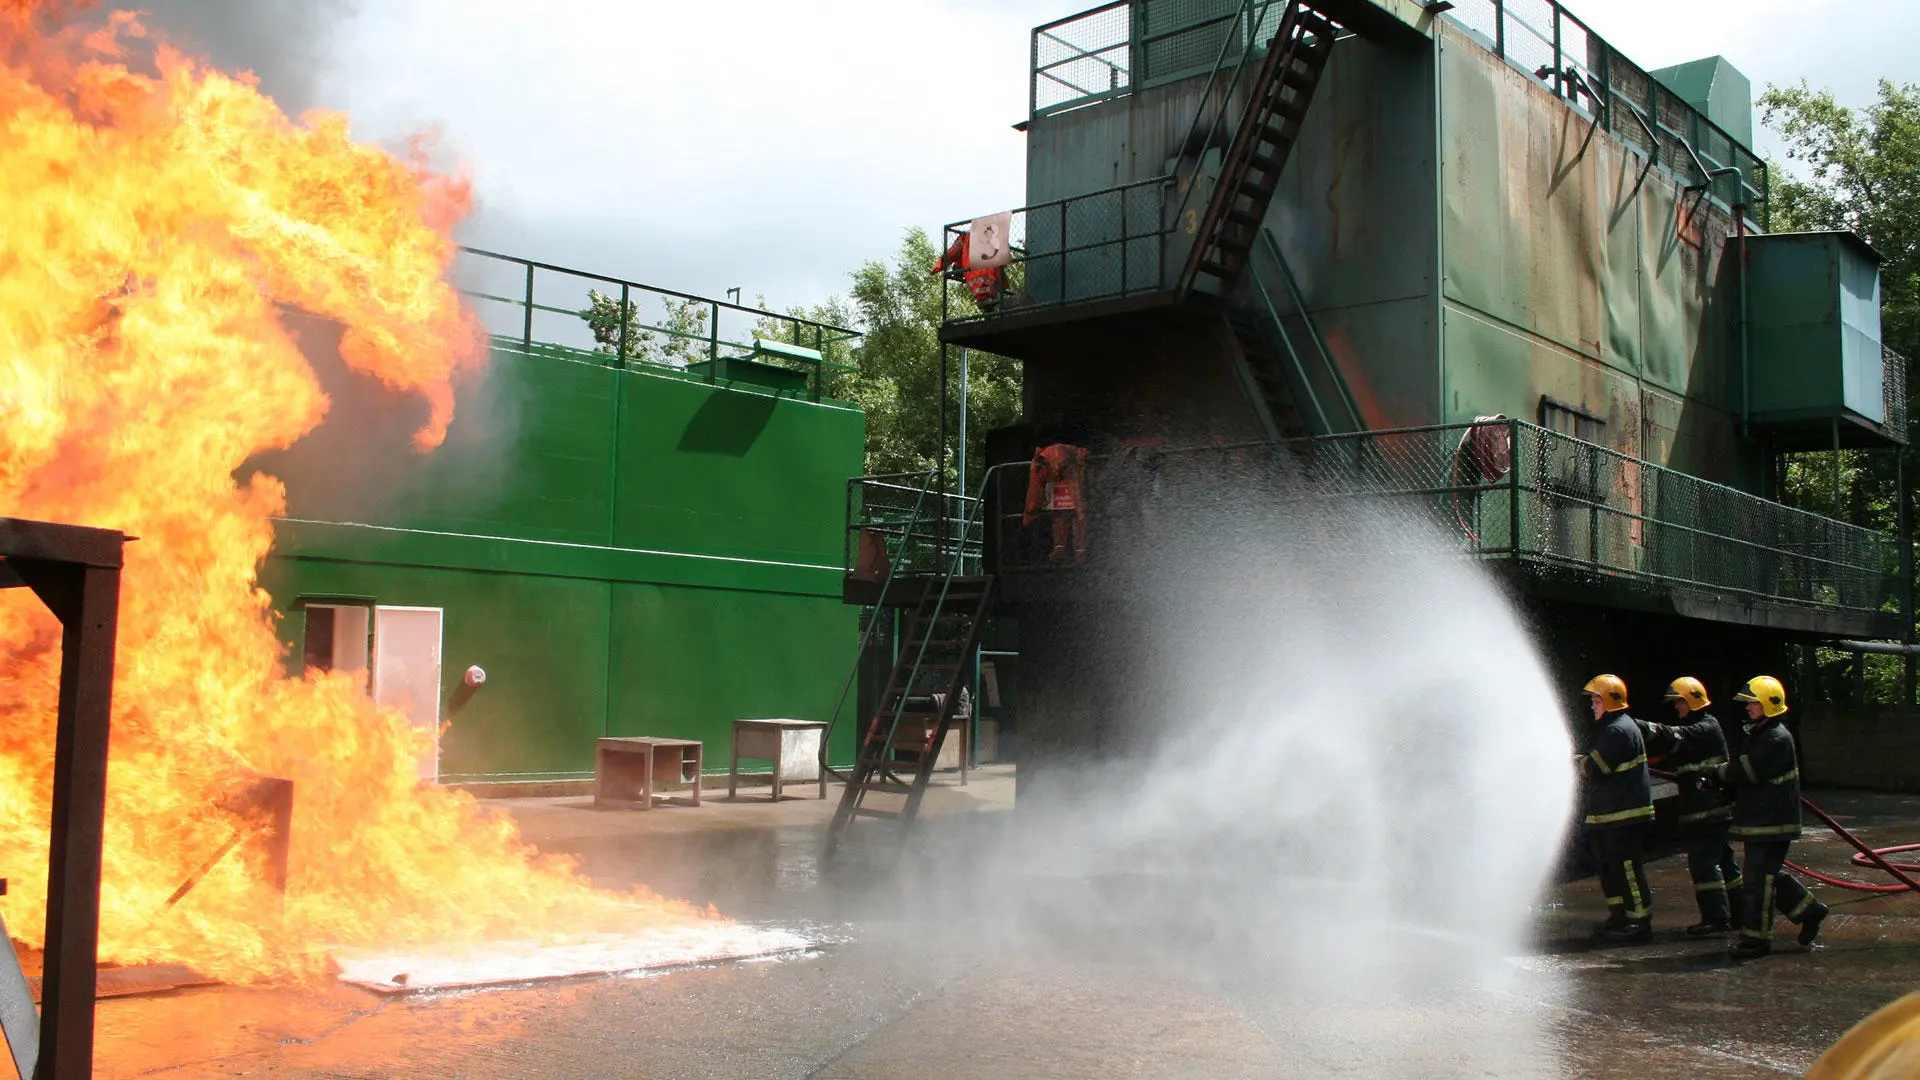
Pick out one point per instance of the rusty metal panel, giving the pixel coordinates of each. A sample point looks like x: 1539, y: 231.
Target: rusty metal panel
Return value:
x: 1493, y: 367
x: 1524, y: 225
x: 1355, y: 218
x: 1559, y: 238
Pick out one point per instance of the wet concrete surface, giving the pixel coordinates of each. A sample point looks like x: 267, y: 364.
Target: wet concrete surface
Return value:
x: 911, y: 983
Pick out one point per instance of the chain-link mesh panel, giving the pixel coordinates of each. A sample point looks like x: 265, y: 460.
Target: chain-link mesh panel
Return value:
x: 1182, y: 37
x: 1099, y: 246
x: 1529, y: 34
x: 1499, y: 489
x: 1893, y: 389
x: 1586, y: 505
x: 1082, y: 58
x: 1481, y: 17
x: 1542, y: 38
x: 904, y: 514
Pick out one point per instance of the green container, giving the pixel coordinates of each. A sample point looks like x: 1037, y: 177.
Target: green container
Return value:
x: 1814, y: 353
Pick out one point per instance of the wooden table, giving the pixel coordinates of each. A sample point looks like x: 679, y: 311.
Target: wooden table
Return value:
x: 792, y: 745
x: 628, y: 772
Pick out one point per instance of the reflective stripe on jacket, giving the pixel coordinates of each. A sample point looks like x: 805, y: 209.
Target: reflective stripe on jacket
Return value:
x: 1617, y: 789
x: 1699, y: 751
x: 1766, y: 784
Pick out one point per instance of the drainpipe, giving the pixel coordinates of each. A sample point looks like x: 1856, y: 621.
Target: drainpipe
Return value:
x: 962, y: 484
x: 1746, y: 378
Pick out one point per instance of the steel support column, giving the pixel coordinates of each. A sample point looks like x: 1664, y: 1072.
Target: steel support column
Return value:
x: 76, y: 573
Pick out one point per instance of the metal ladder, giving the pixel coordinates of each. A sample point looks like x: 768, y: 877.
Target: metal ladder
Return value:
x: 1277, y: 107
x: 901, y: 742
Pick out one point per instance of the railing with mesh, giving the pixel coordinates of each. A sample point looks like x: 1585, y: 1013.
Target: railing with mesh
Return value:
x: 901, y: 512
x: 1893, y: 391
x: 1117, y: 48
x: 540, y: 309
x: 1502, y: 489
x: 1104, y: 245
x: 1544, y: 39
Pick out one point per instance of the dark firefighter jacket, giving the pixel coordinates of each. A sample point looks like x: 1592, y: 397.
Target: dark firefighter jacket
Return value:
x: 1694, y: 753
x: 1766, y: 784
x: 1618, y: 792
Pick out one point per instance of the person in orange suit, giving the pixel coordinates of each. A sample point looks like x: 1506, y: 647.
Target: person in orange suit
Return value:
x: 1056, y: 487
x: 985, y: 283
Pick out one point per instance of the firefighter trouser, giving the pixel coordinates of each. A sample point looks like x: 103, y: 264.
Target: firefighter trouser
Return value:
x: 1716, y: 878
x: 1622, y: 873
x: 1069, y: 529
x: 1770, y: 888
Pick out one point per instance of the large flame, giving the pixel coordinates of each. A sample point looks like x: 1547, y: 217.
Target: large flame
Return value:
x: 152, y: 222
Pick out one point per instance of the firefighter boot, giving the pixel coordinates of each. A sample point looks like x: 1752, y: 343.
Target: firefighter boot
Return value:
x: 1709, y: 928
x: 1629, y: 932
x: 1810, y: 923
x: 1750, y: 948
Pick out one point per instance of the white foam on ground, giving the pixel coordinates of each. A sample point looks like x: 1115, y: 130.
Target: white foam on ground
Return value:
x: 506, y: 962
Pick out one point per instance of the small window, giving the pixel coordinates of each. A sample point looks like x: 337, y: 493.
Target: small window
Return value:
x: 1572, y: 420
x: 336, y: 638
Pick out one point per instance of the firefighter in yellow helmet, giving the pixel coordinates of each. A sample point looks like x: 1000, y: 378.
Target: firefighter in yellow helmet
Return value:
x: 1694, y: 750
x: 1766, y: 817
x: 1618, y: 798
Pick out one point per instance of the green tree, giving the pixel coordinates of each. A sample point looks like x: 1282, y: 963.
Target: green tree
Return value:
x: 678, y: 339
x: 1855, y: 169
x: 897, y: 383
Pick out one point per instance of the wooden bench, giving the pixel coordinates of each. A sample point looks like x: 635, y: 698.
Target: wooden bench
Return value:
x: 630, y: 773
x: 792, y: 745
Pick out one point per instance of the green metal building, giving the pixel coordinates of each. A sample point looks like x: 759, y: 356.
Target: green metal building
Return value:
x: 1464, y: 254
x: 623, y: 547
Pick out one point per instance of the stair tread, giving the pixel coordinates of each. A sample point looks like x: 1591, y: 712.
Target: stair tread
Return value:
x: 884, y: 787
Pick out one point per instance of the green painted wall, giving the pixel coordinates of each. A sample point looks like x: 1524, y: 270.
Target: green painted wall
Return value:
x: 1566, y: 274
x: 624, y: 552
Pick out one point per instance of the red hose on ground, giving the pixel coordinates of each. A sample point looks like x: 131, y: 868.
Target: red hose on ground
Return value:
x: 1869, y: 858
x: 1875, y: 858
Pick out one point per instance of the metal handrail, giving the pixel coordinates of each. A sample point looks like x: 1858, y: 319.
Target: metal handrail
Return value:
x: 1752, y: 193
x: 954, y: 569
x: 1809, y: 552
x: 866, y: 636
x: 1271, y: 247
x: 805, y: 332
x: 1191, y: 183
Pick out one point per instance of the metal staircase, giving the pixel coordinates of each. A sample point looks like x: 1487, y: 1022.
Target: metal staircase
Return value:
x: 1291, y: 379
x: 1276, y: 108
x: 900, y: 743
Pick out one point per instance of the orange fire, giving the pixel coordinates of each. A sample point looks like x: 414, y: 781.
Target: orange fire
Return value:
x: 152, y: 222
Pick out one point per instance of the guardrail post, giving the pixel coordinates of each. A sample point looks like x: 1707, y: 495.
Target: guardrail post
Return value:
x: 526, y: 329
x: 1593, y: 505
x: 713, y: 341
x: 1559, y: 76
x: 1500, y: 28
x: 1513, y: 489
x: 620, y: 357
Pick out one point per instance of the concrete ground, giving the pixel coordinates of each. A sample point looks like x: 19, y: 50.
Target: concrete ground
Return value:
x: 900, y: 994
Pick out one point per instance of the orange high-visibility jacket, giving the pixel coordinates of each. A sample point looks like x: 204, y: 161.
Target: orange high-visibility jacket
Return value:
x: 983, y: 282
x: 1057, y: 482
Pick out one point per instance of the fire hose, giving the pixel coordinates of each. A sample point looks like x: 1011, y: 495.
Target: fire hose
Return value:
x: 1866, y: 857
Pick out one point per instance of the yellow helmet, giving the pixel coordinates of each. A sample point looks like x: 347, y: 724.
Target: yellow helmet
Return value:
x: 1766, y: 690
x: 1883, y: 1046
x: 1688, y: 689
x: 1610, y: 689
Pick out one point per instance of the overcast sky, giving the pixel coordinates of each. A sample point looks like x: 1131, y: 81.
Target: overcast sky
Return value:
x: 776, y: 145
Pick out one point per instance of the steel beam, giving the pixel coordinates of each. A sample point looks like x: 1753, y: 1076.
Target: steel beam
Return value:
x: 76, y: 572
